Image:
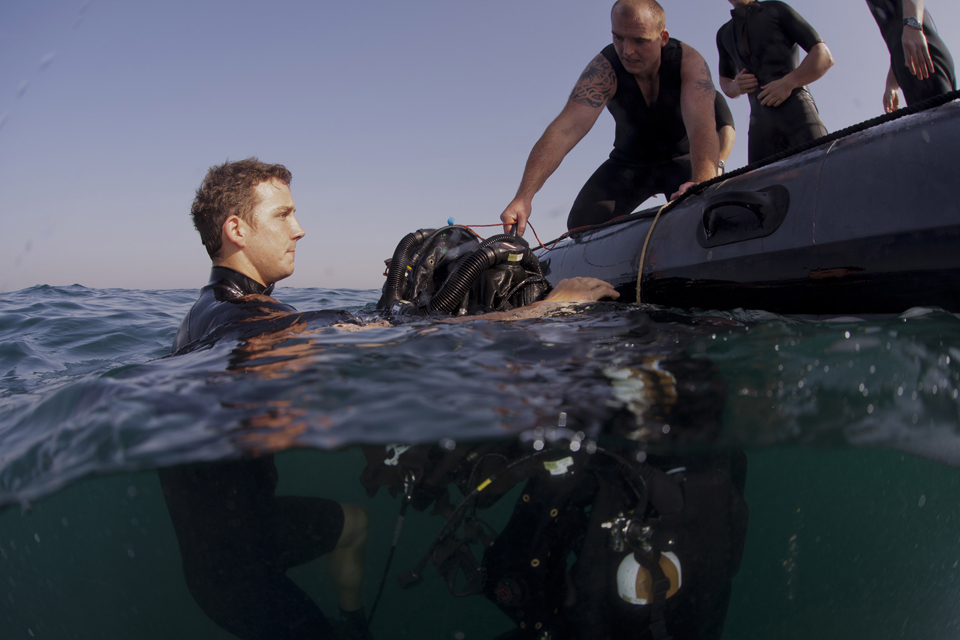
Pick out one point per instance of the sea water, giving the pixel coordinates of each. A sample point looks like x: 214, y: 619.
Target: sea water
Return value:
x: 849, y: 425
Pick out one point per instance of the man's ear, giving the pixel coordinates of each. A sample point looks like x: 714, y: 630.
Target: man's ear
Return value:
x: 234, y: 231
x: 664, y: 37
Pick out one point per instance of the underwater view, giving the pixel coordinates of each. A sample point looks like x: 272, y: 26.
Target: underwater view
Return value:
x: 796, y: 478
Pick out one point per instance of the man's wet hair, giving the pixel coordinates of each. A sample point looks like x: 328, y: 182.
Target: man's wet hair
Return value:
x: 230, y: 189
x: 651, y: 7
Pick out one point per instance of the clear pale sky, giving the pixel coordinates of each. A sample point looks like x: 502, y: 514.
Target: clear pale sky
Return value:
x: 391, y: 115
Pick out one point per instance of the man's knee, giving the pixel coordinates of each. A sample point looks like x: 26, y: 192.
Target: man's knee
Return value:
x: 356, y: 525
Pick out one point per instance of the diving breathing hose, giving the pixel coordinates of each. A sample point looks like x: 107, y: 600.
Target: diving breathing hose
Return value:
x: 408, y: 483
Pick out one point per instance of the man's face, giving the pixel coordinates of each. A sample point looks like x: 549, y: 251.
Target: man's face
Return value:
x: 637, y: 40
x: 273, y: 236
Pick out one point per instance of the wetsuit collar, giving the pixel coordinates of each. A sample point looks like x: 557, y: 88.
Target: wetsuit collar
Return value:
x: 237, y: 283
x: 741, y: 12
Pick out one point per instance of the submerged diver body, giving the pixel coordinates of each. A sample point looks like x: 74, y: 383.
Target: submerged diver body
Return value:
x: 920, y: 63
x: 237, y: 537
x: 601, y: 544
x: 758, y: 57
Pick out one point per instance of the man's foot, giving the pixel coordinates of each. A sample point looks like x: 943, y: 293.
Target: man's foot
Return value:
x: 352, y: 625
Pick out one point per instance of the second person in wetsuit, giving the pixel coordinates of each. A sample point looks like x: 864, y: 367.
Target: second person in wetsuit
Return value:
x: 920, y: 63
x: 758, y: 57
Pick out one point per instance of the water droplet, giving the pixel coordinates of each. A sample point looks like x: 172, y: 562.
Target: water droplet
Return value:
x: 36, y: 537
x: 846, y: 334
x: 459, y: 635
x: 923, y: 501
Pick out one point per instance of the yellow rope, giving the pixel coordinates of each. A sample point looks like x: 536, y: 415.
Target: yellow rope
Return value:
x: 643, y: 254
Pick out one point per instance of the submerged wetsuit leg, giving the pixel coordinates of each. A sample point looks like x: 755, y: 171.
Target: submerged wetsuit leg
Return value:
x: 776, y: 129
x: 237, y: 540
x: 617, y: 188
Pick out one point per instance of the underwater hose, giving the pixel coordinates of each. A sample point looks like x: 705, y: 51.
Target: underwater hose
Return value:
x: 408, y: 484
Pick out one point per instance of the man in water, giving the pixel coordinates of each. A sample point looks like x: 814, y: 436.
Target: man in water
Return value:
x: 758, y: 57
x: 237, y: 538
x: 920, y: 63
x: 662, y: 98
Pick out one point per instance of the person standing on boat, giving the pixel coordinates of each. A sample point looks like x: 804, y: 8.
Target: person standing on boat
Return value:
x: 662, y: 98
x: 920, y: 63
x: 758, y: 56
x: 237, y: 538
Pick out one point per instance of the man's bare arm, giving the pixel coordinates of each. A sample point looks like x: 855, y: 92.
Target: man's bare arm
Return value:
x: 697, y: 95
x: 813, y: 67
x: 596, y: 86
x: 915, y: 47
x: 568, y: 291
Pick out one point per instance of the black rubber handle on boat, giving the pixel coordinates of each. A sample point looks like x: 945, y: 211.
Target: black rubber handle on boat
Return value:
x: 749, y: 200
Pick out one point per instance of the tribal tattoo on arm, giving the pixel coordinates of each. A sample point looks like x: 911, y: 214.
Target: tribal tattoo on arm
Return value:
x: 705, y: 83
x: 596, y: 85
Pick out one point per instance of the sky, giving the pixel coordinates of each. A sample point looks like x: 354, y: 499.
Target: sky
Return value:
x: 392, y: 116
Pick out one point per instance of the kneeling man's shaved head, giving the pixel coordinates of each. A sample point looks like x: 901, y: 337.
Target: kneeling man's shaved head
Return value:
x: 643, y: 8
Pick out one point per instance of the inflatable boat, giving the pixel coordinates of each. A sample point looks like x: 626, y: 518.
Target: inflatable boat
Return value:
x: 863, y: 221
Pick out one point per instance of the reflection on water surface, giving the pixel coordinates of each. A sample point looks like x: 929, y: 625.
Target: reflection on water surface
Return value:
x: 582, y: 472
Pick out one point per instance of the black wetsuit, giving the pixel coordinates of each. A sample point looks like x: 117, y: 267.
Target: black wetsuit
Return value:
x: 237, y: 538
x: 763, y: 38
x: 889, y: 17
x: 651, y: 151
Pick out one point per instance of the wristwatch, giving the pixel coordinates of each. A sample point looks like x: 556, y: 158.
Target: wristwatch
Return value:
x: 913, y: 23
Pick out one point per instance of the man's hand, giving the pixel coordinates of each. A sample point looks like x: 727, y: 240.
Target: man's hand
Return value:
x: 917, y: 53
x: 891, y: 100
x: 746, y: 82
x: 581, y: 290
x: 776, y: 93
x: 516, y: 213
x: 683, y: 189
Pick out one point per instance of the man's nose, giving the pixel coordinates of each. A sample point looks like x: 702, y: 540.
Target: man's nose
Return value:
x: 298, y: 231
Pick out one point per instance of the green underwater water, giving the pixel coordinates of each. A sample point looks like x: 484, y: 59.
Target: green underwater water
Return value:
x: 842, y: 543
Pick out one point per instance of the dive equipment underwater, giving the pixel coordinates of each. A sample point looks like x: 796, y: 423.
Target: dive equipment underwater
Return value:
x: 601, y: 543
x: 451, y: 270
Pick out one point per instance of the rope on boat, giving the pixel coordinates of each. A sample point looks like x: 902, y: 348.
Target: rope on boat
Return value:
x: 643, y: 254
